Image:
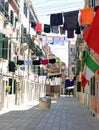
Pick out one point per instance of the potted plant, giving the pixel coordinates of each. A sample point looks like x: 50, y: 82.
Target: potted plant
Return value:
x: 8, y: 88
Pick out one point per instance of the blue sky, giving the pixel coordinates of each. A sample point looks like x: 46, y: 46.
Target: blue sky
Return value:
x: 44, y: 8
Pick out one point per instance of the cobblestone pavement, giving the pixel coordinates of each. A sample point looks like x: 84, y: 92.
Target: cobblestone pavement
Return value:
x: 64, y: 114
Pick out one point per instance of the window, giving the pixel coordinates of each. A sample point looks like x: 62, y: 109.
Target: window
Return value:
x: 2, y: 6
x: 92, y: 3
x: 6, y: 9
x: 72, y: 60
x: 14, y: 87
x: 31, y: 18
x: 23, y: 34
x: 12, y: 17
x: 3, y: 46
x: 25, y: 9
x: 16, y: 20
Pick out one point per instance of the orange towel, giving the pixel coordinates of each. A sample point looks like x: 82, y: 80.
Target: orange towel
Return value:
x: 86, y: 16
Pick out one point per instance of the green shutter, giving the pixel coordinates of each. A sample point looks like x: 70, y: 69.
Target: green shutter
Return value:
x: 12, y: 17
x: 3, y: 46
x: 10, y: 84
x: 14, y: 87
x: 25, y: 9
x: 92, y: 89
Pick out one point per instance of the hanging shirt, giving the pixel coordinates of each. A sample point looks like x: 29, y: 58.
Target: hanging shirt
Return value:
x: 62, y: 31
x: 44, y: 40
x: 70, y: 33
x: 44, y: 62
x: 33, y: 24
x: 28, y: 62
x: 86, y: 16
x: 20, y: 62
x: 55, y: 29
x: 46, y: 28
x: 56, y: 40
x: 38, y: 27
x: 78, y: 30
x: 50, y: 39
x: 61, y: 40
x: 71, y: 20
x: 11, y: 66
x: 36, y: 62
x: 56, y: 19
x: 52, y: 61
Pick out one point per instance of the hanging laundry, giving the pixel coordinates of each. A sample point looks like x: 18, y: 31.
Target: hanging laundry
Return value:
x: 71, y: 20
x: 22, y: 68
x: 50, y: 39
x: 78, y: 30
x: 62, y: 31
x: 56, y: 40
x: 44, y: 40
x: 28, y: 62
x: 56, y: 19
x: 69, y: 83
x: 20, y: 62
x: 52, y: 61
x: 36, y: 62
x: 70, y: 33
x: 11, y: 66
x: 44, y: 62
x: 55, y: 29
x: 38, y: 27
x: 61, y: 40
x: 47, y: 28
x: 86, y: 15
x: 33, y: 25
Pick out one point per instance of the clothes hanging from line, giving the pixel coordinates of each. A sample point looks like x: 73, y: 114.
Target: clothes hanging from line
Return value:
x: 71, y: 20
x: 33, y: 25
x: 28, y: 62
x: 56, y: 19
x: 47, y: 28
x: 36, y: 62
x: 44, y: 61
x: 52, y: 61
x: 55, y: 29
x: 11, y: 66
x: 62, y: 31
x: 38, y: 27
x: 86, y: 15
x: 70, y: 33
x: 20, y: 62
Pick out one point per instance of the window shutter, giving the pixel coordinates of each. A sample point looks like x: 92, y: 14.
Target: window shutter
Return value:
x: 12, y: 16
x: 25, y: 9
x: 3, y: 46
x: 92, y: 86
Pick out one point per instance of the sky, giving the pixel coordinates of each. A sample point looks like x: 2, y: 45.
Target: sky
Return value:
x: 43, y: 9
x: 61, y: 52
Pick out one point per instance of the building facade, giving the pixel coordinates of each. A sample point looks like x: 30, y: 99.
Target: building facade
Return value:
x: 17, y: 28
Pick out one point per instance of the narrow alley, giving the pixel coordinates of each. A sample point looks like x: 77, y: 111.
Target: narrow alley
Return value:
x: 66, y: 113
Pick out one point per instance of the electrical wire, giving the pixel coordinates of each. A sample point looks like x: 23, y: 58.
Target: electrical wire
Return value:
x: 61, y: 10
x: 45, y: 7
x: 57, y: 5
x: 46, y: 10
x: 55, y: 11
